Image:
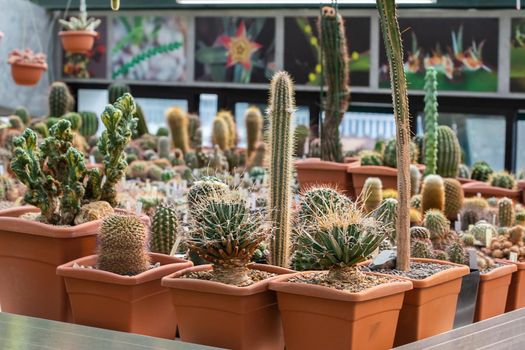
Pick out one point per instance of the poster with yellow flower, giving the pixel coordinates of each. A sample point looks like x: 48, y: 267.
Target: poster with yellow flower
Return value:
x: 302, y: 49
x: 234, y: 49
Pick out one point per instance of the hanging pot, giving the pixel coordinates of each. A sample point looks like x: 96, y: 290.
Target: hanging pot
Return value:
x: 78, y: 41
x: 26, y: 73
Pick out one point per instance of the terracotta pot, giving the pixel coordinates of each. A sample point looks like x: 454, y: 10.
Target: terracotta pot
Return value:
x: 492, y: 292
x: 27, y: 74
x: 225, y: 316
x: 516, y: 297
x: 473, y: 188
x: 430, y: 307
x: 314, y: 171
x: 317, y: 317
x: 30, y: 252
x: 135, y: 304
x: 348, y: 160
x: 463, y: 180
x: 521, y: 187
x: 77, y: 41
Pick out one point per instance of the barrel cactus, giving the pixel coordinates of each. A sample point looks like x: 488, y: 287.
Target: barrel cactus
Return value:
x: 481, y: 171
x: 506, y: 214
x: 60, y: 100
x: 89, y: 124
x: 454, y: 197
x: 503, y: 179
x: 117, y: 90
x: 433, y: 193
x: 370, y: 158
x: 163, y: 229
x: 449, y: 152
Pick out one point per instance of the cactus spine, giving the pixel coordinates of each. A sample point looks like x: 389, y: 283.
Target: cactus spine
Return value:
x: 220, y: 133
x: 372, y: 193
x: 60, y: 100
x: 178, y: 124
x: 231, y: 134
x: 89, y: 125
x: 280, y: 114
x: 335, y: 67
x: 449, y: 152
x: 506, y: 213
x: 431, y: 121
x: 122, y: 245
x: 454, y: 197
x: 163, y: 229
x: 394, y: 49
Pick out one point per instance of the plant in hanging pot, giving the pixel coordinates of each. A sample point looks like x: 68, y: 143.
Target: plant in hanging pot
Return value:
x: 227, y: 304
x: 340, y: 307
x: 79, y: 33
x: 70, y: 201
x: 119, y: 288
x: 26, y: 66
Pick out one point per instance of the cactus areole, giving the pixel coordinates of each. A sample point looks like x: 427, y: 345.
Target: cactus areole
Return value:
x: 394, y: 50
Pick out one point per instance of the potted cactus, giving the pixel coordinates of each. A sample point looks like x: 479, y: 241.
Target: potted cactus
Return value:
x: 79, y: 33
x: 493, y: 184
x: 340, y: 307
x: 226, y: 304
x: 69, y: 199
x: 119, y: 288
x: 26, y: 66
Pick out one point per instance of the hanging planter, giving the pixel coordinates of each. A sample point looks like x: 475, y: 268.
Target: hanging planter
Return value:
x: 79, y: 33
x: 26, y: 66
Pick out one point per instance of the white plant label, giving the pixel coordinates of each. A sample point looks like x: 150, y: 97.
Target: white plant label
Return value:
x: 513, y: 257
x: 488, y: 237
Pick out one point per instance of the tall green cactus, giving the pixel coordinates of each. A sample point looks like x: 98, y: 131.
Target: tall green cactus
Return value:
x: 394, y: 50
x: 89, y: 125
x: 335, y: 68
x: 280, y: 114
x: 254, y: 123
x: 449, y: 152
x: 117, y: 90
x: 506, y: 214
x: 431, y: 121
x: 60, y: 100
x: 142, y: 125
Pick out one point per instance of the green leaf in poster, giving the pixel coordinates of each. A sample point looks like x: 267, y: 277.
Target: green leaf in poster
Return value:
x: 256, y: 27
x: 218, y: 72
x: 211, y: 55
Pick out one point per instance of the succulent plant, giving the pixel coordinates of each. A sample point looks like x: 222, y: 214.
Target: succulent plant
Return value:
x: 371, y: 158
x: 415, y: 217
x: 163, y: 229
x: 449, y: 152
x: 421, y: 249
x: 481, y: 171
x: 89, y: 124
x: 389, y: 193
x: 315, y: 148
x: 372, y: 194
x: 506, y: 214
x: 433, y: 193
x: 142, y: 126
x: 437, y: 224
x: 419, y: 233
x: 431, y: 121
x: 23, y: 114
x: 164, y: 146
x: 177, y: 121
x: 225, y: 233
x: 415, y: 201
x: 15, y: 122
x: 254, y: 124
x: 162, y: 131
x: 386, y: 213
x: 520, y: 218
x: 122, y: 245
x: 390, y: 156
x: 41, y: 129
x: 483, y: 232
x: 440, y: 255
x: 301, y: 134
x: 231, y: 133
x: 60, y: 100
x: 116, y: 91
x: 82, y: 22
x: 204, y: 188
x: 503, y: 179
x: 317, y: 201
x: 456, y: 253
x: 468, y: 239
x: 454, y: 197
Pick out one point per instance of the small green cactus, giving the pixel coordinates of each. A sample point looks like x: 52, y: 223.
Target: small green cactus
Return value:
x: 162, y: 131
x: 60, y: 100
x: 419, y: 233
x: 163, y: 229
x: 154, y: 172
x: 449, y: 152
x: 89, y: 124
x: 317, y: 201
x: 481, y: 171
x: 41, y: 129
x: 415, y: 201
x: 483, y: 232
x: 503, y: 179
x: 438, y: 225
x: 468, y: 239
x: 203, y: 189
x: 116, y: 91
x: 164, y: 146
x: 506, y: 214
x: 142, y: 126
x: 415, y: 180
x: 122, y: 245
x: 75, y: 119
x: 431, y: 121
x: 520, y: 218
x: 454, y: 197
x: 433, y: 193
x: 372, y: 194
x: 167, y: 175
x: 421, y: 249
x: 301, y: 134
x: 23, y: 114
x: 370, y: 158
x: 440, y: 255
x: 386, y: 213
x: 15, y: 122
x: 178, y: 122
x: 456, y: 253
x: 254, y: 124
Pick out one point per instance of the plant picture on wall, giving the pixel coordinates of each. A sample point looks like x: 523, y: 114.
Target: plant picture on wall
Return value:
x: 302, y: 49
x: 463, y: 51
x: 234, y: 49
x: 149, y: 48
x: 517, y: 55
x: 90, y: 64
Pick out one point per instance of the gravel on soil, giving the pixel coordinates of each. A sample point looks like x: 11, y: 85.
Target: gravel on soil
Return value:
x: 418, y: 270
x: 364, y: 281
x: 255, y: 276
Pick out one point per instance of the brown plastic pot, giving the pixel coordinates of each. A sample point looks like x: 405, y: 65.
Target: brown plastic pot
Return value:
x: 27, y: 74
x: 492, y: 292
x: 30, y: 252
x: 314, y: 171
x: 225, y: 316
x: 463, y: 180
x: 473, y: 188
x: 135, y: 304
x: 317, y: 317
x: 77, y: 41
x: 430, y: 307
x: 516, y: 297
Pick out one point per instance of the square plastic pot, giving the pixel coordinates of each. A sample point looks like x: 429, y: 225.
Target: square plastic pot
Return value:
x: 318, y: 317
x: 226, y: 316
x: 493, y: 291
x: 314, y: 171
x: 135, y: 304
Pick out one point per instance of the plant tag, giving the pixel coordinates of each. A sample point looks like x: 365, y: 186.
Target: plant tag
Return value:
x: 138, y: 208
x: 2, y: 170
x: 92, y: 159
x: 488, y: 237
x: 472, y: 258
x: 103, y: 181
x: 457, y: 226
x: 470, y: 227
x: 513, y: 257
x: 128, y: 206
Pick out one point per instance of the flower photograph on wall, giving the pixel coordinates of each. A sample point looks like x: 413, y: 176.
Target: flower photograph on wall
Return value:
x: 302, y: 50
x: 91, y: 64
x: 234, y: 49
x: 517, y: 55
x: 464, y: 52
x: 149, y: 48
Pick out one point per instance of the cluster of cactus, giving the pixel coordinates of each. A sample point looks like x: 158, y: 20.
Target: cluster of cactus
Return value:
x: 371, y: 158
x: 178, y: 123
x: 372, y: 194
x: 433, y: 193
x: 60, y: 100
x: 280, y: 114
x: 334, y: 51
x: 503, y: 179
x: 448, y: 152
x: 454, y: 197
x: 254, y: 124
x: 431, y: 122
x: 481, y: 171
x: 23, y: 114
x: 89, y: 124
x: 506, y: 214
x: 390, y: 156
x: 511, y: 241
x: 474, y: 209
x: 122, y: 245
x: 225, y: 233
x: 163, y: 229
x: 301, y: 134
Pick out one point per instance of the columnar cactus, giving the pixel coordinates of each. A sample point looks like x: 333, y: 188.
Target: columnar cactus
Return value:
x: 433, y: 193
x: 431, y: 121
x: 394, y: 50
x: 503, y: 179
x: 220, y: 133
x: 506, y: 214
x: 194, y: 131
x: 449, y: 152
x: 41, y: 129
x: 372, y: 194
x: 280, y: 114
x: 60, y: 100
x: 454, y: 197
x: 24, y: 115
x: 419, y: 141
x: 122, y: 246
x: 387, y: 214
x: 164, y: 146
x: 142, y: 125
x: 178, y: 123
x: 438, y: 225
x: 335, y: 61
x: 254, y: 124
x: 301, y: 134
x: 117, y: 90
x: 481, y: 171
x: 231, y: 127
x: 89, y: 125
x: 415, y: 180
x: 163, y: 229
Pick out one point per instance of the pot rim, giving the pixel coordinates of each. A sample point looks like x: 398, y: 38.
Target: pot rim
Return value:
x: 480, y: 186
x: 372, y: 170
x: 507, y: 269
x: 92, y: 33
x: 42, y: 66
x: 174, y: 281
x: 281, y: 284
x: 169, y: 264
x: 318, y: 164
